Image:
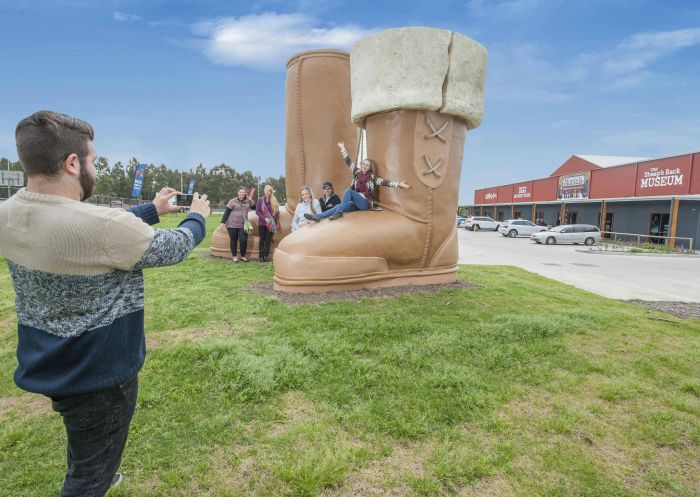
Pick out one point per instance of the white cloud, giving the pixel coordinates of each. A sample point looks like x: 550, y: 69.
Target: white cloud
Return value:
x: 267, y: 40
x: 122, y: 17
x: 628, y: 64
x: 168, y: 22
x: 529, y: 73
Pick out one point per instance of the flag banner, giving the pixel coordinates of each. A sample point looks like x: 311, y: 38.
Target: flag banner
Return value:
x: 138, y: 180
x: 190, y: 189
x: 251, y: 192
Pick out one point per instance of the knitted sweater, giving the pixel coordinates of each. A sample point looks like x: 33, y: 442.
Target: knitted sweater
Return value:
x: 76, y: 271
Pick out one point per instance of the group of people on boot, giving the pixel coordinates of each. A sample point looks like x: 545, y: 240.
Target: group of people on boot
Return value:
x: 361, y: 196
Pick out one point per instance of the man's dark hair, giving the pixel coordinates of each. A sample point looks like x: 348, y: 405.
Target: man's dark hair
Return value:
x: 45, y: 139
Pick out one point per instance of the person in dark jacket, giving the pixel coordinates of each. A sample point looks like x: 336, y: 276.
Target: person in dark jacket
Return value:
x: 329, y: 199
x: 235, y: 216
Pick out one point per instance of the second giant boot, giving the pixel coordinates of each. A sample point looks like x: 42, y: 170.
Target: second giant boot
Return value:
x: 317, y: 95
x: 416, y: 109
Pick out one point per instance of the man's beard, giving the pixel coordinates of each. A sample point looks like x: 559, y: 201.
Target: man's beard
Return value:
x: 87, y: 182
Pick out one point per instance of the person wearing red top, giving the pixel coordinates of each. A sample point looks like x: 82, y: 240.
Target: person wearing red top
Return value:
x: 362, y: 192
x: 268, y: 210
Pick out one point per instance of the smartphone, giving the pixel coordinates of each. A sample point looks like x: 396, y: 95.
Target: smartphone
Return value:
x: 184, y: 199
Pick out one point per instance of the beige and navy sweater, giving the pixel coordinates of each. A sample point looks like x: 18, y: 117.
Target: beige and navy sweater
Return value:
x: 76, y: 271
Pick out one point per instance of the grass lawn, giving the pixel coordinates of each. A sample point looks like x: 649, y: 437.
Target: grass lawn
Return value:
x: 521, y: 387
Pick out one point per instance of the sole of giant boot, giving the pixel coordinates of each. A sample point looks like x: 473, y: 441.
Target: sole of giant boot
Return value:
x: 356, y: 255
x: 377, y: 279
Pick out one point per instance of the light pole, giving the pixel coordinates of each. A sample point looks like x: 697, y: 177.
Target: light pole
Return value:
x: 8, y: 178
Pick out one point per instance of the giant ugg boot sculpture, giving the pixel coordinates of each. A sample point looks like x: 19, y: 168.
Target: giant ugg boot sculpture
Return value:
x: 317, y: 112
x: 417, y: 91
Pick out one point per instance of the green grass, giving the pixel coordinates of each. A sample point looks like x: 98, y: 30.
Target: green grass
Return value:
x: 521, y: 387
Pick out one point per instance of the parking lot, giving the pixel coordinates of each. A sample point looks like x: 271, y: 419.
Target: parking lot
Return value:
x: 643, y: 277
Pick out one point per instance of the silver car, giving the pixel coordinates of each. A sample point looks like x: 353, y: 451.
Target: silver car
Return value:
x: 519, y: 227
x: 569, y: 233
x: 477, y: 223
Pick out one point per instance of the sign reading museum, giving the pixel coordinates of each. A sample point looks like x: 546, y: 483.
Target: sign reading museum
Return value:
x: 652, y: 179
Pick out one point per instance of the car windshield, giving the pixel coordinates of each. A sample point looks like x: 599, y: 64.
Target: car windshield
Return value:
x: 557, y: 228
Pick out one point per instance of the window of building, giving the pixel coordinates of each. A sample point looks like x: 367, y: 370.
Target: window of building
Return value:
x: 658, y: 226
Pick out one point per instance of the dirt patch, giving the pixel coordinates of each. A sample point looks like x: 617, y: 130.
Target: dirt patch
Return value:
x: 25, y: 404
x: 386, y: 477
x: 296, y: 410
x: 292, y: 299
x: 683, y: 310
x: 217, y: 330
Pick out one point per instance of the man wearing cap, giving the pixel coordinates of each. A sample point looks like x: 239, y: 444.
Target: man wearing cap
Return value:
x: 330, y: 199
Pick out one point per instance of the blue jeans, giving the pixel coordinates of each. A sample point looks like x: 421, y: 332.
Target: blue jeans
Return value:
x: 352, y: 201
x: 97, y: 424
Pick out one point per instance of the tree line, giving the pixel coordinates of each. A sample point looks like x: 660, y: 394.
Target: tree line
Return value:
x: 219, y: 183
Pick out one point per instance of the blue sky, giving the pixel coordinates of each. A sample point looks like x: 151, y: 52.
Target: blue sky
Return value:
x: 184, y: 82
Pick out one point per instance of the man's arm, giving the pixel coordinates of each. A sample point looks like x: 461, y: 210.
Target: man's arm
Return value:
x: 174, y: 245
x: 149, y: 212
x: 146, y: 212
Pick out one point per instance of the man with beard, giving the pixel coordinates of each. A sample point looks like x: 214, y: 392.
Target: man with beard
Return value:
x: 77, y: 275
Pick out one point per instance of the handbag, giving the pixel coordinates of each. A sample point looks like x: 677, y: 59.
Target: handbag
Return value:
x: 248, y: 226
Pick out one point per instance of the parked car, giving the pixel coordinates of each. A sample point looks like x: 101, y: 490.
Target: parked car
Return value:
x: 461, y: 221
x: 476, y: 223
x: 569, y: 233
x: 519, y: 227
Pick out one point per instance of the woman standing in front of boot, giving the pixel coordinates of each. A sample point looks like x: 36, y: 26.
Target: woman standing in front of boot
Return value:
x: 363, y: 190
x: 235, y: 216
x: 268, y: 211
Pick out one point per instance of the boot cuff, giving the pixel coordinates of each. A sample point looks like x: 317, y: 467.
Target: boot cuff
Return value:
x: 418, y: 68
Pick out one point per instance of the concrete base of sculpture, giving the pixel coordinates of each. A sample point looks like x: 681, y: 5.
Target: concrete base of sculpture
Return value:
x: 221, y: 243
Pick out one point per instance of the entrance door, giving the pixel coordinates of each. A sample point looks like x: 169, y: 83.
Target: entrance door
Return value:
x: 571, y: 217
x: 608, y: 223
x: 658, y: 226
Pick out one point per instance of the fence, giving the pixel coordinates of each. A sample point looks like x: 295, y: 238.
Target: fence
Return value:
x: 670, y: 243
x: 7, y: 191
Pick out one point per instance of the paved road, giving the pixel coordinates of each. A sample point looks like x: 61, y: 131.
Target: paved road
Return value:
x: 613, y: 276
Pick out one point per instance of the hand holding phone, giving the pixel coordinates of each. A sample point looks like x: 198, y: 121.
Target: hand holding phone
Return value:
x: 200, y: 205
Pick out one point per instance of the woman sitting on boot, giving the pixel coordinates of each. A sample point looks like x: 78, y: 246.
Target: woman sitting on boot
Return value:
x: 307, y: 205
x: 361, y: 194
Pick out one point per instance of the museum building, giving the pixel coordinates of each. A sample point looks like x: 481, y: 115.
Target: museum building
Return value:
x: 656, y: 197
